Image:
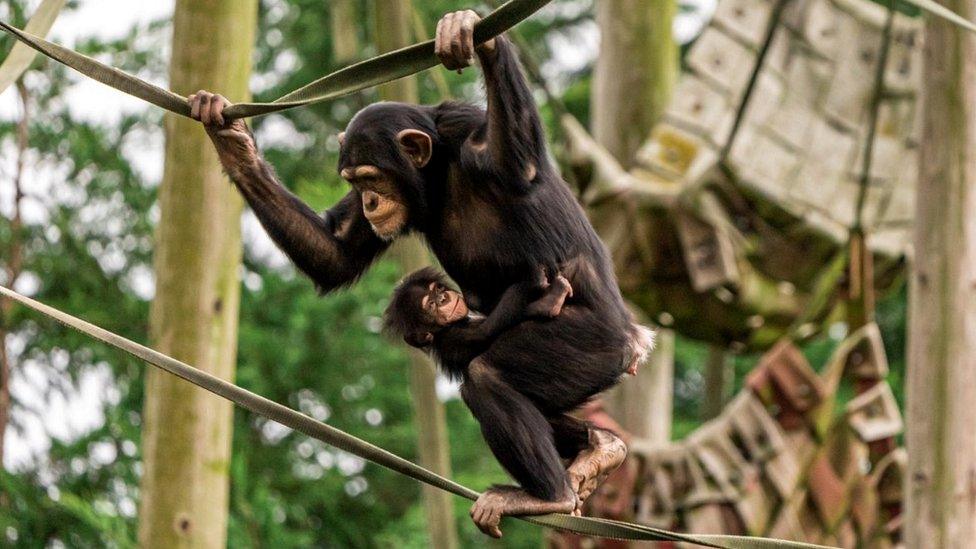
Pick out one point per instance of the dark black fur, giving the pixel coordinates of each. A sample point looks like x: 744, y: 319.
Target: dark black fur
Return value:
x: 490, y: 225
x: 454, y: 346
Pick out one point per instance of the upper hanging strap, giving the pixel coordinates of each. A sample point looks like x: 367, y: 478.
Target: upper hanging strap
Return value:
x: 378, y: 70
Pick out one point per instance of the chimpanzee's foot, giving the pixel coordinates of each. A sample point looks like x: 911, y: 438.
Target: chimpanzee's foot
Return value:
x: 502, y: 501
x: 592, y: 466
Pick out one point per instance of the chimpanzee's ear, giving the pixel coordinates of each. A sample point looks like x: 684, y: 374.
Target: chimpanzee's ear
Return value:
x: 419, y: 340
x: 341, y: 137
x: 417, y: 145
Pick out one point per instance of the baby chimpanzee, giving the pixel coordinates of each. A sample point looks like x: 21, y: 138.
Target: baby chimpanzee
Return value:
x: 431, y: 316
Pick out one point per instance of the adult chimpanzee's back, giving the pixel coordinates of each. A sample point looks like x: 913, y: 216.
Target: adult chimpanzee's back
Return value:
x: 478, y: 185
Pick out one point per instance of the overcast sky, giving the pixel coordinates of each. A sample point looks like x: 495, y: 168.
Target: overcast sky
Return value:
x: 72, y: 416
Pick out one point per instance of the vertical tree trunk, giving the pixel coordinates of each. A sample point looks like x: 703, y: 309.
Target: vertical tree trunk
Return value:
x: 393, y: 24
x: 632, y: 83
x: 187, y: 432
x: 345, y: 41
x: 643, y: 404
x: 14, y: 265
x: 635, y: 72
x: 941, y: 379
x: 718, y: 382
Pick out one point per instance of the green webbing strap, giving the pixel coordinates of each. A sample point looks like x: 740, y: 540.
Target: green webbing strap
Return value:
x: 595, y: 527
x: 384, y: 68
x: 378, y: 70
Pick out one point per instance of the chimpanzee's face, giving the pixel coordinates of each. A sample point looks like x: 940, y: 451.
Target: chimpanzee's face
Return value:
x: 381, y: 154
x: 443, y: 305
x: 384, y: 205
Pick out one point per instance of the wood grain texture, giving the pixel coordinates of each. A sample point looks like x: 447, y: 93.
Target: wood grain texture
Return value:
x: 941, y: 382
x: 187, y: 432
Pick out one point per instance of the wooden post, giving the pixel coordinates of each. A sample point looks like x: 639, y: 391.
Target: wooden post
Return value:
x: 393, y: 30
x: 941, y: 378
x: 648, y: 398
x: 635, y: 72
x: 345, y: 41
x: 187, y: 431
x: 718, y: 382
x: 634, y: 76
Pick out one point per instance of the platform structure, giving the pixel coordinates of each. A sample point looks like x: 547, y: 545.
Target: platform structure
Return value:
x: 733, y: 227
x: 747, y: 189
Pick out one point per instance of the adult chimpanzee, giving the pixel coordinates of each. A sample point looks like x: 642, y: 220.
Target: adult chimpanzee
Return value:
x: 478, y: 186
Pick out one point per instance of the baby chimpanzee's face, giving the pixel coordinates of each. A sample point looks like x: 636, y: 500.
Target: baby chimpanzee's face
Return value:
x: 444, y: 306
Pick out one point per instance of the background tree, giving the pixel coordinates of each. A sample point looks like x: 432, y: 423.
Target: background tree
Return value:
x: 394, y: 21
x: 187, y: 432
x: 941, y: 378
x: 634, y: 74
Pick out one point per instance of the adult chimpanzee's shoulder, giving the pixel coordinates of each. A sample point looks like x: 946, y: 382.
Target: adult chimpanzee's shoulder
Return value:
x: 456, y: 120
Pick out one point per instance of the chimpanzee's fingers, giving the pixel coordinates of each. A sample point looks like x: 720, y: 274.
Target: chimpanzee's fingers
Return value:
x: 467, y: 36
x: 195, y: 104
x: 205, y: 99
x: 451, y: 62
x: 493, y: 529
x: 438, y: 36
x: 483, y: 525
x: 217, y: 107
x: 457, y: 48
x: 442, y: 43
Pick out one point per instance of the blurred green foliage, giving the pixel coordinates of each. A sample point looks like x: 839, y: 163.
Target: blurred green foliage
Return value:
x: 326, y: 357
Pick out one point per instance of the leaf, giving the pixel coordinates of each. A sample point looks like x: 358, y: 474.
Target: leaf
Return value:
x: 21, y: 55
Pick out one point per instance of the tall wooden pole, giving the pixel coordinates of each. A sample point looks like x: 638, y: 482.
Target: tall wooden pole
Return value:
x: 718, y: 382
x: 635, y: 72
x: 634, y: 76
x: 394, y: 21
x: 345, y: 40
x: 187, y: 431
x: 941, y: 379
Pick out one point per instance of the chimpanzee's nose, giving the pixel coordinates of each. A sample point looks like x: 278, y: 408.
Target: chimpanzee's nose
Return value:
x: 371, y: 201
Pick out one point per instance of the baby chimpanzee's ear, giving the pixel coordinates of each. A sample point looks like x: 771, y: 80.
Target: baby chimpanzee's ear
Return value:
x: 419, y: 340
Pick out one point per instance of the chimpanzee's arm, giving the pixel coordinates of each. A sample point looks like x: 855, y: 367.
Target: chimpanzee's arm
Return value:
x: 510, y: 145
x: 515, y: 139
x: 332, y: 250
x: 461, y: 343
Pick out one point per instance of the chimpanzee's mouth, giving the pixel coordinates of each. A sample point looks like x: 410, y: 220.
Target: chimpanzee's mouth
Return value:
x: 386, y: 230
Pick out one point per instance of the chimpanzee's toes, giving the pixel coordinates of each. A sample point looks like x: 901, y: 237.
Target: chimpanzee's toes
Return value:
x: 486, y: 516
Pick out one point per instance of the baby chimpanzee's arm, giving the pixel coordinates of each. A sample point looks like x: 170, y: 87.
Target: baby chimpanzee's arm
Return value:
x: 461, y: 342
